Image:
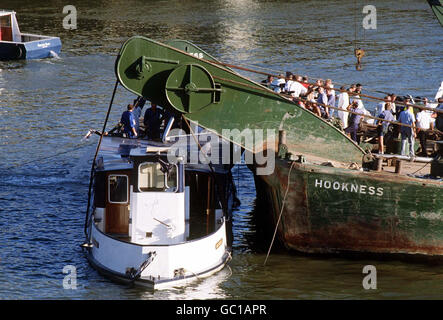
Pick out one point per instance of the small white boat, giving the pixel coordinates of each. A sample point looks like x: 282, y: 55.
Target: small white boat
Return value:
x: 153, y: 222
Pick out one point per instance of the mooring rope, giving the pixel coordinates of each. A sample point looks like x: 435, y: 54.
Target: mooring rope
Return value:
x: 91, y: 177
x: 281, y: 212
x: 42, y: 159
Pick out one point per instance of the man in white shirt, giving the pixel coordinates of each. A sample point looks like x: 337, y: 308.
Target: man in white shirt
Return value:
x: 381, y: 106
x: 343, y: 103
x: 428, y: 105
x: 289, y: 81
x: 276, y: 85
x: 423, y: 123
x: 297, y: 89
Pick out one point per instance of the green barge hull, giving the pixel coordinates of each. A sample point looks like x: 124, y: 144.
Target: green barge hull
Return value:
x: 330, y: 210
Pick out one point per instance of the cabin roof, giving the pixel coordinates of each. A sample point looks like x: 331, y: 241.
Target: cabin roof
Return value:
x: 6, y: 12
x: 115, y: 153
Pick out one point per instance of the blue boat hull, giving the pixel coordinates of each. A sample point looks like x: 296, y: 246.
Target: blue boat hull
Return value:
x: 37, y: 49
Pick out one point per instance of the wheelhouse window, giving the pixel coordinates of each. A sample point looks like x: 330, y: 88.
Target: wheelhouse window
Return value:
x: 118, y: 188
x: 5, y: 28
x: 152, y: 176
x: 5, y: 21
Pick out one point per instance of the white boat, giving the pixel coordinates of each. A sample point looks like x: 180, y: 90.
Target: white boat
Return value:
x: 153, y: 222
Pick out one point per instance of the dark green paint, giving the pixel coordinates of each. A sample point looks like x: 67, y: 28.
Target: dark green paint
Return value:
x: 387, y: 215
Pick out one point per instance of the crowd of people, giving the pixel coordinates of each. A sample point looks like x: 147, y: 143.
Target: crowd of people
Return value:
x: 321, y: 99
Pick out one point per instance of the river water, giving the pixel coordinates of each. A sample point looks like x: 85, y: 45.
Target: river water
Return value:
x: 47, y: 106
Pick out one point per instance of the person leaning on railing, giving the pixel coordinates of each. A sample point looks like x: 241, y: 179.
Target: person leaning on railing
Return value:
x: 439, y: 115
x: 423, y: 124
x: 382, y: 128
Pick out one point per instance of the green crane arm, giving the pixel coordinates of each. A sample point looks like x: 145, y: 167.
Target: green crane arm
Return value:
x: 224, y: 102
x: 437, y: 8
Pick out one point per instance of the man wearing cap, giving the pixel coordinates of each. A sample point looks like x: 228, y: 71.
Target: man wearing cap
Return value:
x: 343, y: 103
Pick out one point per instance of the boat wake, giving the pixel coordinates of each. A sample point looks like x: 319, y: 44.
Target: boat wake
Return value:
x: 53, y: 54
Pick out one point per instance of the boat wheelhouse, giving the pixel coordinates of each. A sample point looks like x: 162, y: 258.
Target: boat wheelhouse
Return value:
x: 157, y: 222
x: 15, y: 45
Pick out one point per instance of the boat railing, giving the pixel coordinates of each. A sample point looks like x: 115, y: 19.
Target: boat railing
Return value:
x: 403, y: 157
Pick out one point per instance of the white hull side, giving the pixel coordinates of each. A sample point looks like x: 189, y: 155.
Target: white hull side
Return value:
x: 196, y: 258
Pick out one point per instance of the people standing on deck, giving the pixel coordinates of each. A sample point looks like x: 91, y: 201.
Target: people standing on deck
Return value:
x: 439, y: 115
x: 423, y: 124
x: 138, y: 103
x: 328, y: 84
x: 319, y: 83
x: 403, y: 104
x: 322, y: 101
x: 268, y: 81
x: 381, y: 106
x: 393, y: 98
x: 383, y: 126
x: 356, y: 96
x: 398, y: 106
x: 297, y: 89
x: 153, y: 119
x: 278, y: 84
x: 407, y: 132
x: 289, y: 81
x: 426, y: 104
x: 313, y: 106
x: 354, y: 121
x: 310, y: 94
x: 305, y: 82
x: 330, y: 101
x: 343, y: 103
x: 128, y: 122
x: 358, y: 88
x: 351, y: 93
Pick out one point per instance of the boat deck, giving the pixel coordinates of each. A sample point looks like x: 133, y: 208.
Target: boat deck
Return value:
x: 392, y: 166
